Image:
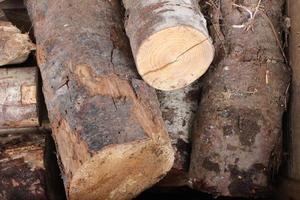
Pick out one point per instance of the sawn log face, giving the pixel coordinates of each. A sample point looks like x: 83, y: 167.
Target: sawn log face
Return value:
x: 107, y: 125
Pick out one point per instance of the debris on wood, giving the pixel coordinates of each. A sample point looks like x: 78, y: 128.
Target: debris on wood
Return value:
x: 237, y: 137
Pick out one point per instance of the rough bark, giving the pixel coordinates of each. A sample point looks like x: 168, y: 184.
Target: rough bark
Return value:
x: 107, y: 125
x: 294, y: 58
x: 18, y: 97
x: 178, y: 111
x: 15, y: 47
x: 169, y: 40
x: 237, y: 138
x: 22, y: 169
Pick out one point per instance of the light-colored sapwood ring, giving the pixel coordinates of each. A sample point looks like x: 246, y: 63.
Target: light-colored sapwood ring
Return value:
x: 174, y: 57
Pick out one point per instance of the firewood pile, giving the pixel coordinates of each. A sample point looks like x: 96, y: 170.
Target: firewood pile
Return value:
x: 149, y: 99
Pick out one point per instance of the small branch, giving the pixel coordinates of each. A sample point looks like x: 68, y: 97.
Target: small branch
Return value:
x: 249, y: 24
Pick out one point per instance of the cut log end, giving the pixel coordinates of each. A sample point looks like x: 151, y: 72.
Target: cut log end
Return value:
x: 126, y: 170
x: 15, y: 46
x: 18, y: 97
x: 174, y: 57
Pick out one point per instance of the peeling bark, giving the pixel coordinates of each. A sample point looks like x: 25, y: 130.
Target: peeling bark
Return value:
x: 178, y: 110
x: 107, y: 125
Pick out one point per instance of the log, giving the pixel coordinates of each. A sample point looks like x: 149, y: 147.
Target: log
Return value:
x: 108, y: 129
x: 294, y: 58
x: 178, y: 111
x: 20, y: 19
x: 15, y: 47
x: 237, y: 138
x: 169, y: 41
x: 18, y: 97
x: 22, y: 168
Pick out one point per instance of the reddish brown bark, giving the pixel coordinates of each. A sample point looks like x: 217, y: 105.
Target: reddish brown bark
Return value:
x: 107, y: 125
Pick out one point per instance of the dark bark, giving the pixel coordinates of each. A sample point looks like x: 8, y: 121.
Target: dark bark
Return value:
x: 104, y: 120
x: 22, y: 169
x: 294, y: 58
x: 237, y: 138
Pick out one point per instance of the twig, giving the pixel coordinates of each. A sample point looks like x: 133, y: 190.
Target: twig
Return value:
x: 245, y: 8
x: 249, y: 24
x: 276, y: 36
x: 216, y: 24
x: 257, y: 8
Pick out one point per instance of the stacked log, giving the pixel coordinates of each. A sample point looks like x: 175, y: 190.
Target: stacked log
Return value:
x: 22, y: 141
x: 109, y: 127
x: 110, y: 135
x: 237, y: 138
x: 169, y: 41
x: 18, y: 97
x: 15, y: 46
x: 178, y: 110
x: 22, y: 169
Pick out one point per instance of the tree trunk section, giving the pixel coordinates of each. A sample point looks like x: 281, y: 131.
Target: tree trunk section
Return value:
x: 238, y: 132
x: 22, y: 169
x: 18, y: 97
x: 107, y: 125
x: 14, y: 46
x: 178, y: 110
x: 294, y: 56
x: 169, y: 40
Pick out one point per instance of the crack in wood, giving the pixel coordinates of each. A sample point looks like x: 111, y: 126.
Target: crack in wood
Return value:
x: 176, y: 60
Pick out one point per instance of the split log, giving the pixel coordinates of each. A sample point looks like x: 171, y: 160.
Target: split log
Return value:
x: 178, y: 111
x: 169, y: 40
x: 237, y: 139
x: 15, y: 47
x: 18, y: 97
x: 22, y: 169
x: 107, y: 125
x: 294, y: 58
